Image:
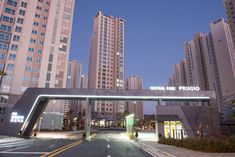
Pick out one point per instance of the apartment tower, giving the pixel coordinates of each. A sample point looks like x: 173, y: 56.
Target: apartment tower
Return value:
x: 230, y: 10
x: 106, y: 64
x: 223, y: 56
x: 34, y: 44
x: 74, y: 74
x: 136, y: 107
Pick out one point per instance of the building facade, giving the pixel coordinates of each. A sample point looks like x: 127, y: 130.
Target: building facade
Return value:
x: 106, y: 63
x: 210, y: 64
x: 224, y: 66
x: 136, y: 107
x: 74, y: 75
x: 34, y: 45
x: 230, y: 10
x: 198, y: 62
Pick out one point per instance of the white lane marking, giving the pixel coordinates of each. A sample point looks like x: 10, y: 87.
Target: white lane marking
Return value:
x: 16, y: 148
x: 107, y: 139
x: 108, y: 155
x: 108, y: 146
x: 24, y: 152
x: 16, y: 143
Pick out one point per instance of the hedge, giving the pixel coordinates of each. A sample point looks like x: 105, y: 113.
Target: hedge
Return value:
x: 214, y: 145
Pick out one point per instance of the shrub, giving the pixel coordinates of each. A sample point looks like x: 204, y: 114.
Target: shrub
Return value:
x: 204, y: 144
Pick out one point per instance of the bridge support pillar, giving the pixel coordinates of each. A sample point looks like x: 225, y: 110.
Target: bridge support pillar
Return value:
x: 88, y: 120
x: 156, y: 121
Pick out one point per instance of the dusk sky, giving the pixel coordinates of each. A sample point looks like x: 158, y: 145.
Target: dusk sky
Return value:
x: 155, y: 31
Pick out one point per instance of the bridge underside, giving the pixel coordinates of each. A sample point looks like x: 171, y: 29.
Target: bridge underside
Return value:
x: 33, y: 102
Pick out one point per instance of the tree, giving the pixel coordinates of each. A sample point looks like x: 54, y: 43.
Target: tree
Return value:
x: 2, y: 74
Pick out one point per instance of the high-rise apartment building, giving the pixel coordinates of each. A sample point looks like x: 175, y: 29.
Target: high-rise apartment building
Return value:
x: 223, y: 56
x: 136, y: 107
x: 179, y: 77
x: 106, y: 64
x: 74, y: 74
x: 198, y: 62
x: 84, y: 82
x: 230, y: 10
x: 83, y: 85
x: 210, y: 64
x: 34, y: 44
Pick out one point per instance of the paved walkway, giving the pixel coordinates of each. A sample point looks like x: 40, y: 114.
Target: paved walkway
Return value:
x: 161, y: 150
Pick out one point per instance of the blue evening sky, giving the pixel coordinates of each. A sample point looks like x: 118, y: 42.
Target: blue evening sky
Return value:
x: 154, y: 34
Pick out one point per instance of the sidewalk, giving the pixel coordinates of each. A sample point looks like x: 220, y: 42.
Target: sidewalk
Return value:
x: 60, y: 134
x: 161, y: 150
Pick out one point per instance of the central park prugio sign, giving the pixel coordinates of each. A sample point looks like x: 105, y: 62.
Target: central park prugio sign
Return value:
x: 173, y: 88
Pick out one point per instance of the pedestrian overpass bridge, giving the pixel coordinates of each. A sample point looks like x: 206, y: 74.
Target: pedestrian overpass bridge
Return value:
x: 26, y: 112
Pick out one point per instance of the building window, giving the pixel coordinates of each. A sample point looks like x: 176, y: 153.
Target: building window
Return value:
x: 10, y: 11
x: 22, y: 12
x: 18, y: 29
x: 14, y: 47
x: 20, y: 20
x: 34, y: 32
x: 35, y: 79
x: 39, y: 8
x: 63, y: 48
x: 10, y: 67
x: 36, y: 69
x: 26, y: 78
x: 41, y: 42
x: 31, y: 49
x: 12, y: 3
x: 28, y: 68
x: 8, y: 19
x: 48, y: 77
x: 39, y: 51
x: 37, y: 15
x: 32, y: 41
x: 5, y: 28
x: 38, y: 60
x: 3, y: 46
x: 24, y: 4
x: 2, y: 56
x: 16, y: 38
x: 35, y: 23
x: 29, y: 59
x: 12, y: 57
x: 4, y: 37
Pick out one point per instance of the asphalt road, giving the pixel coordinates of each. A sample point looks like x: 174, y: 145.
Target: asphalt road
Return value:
x: 102, y: 144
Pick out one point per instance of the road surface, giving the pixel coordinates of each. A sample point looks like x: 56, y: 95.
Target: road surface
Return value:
x: 102, y: 144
